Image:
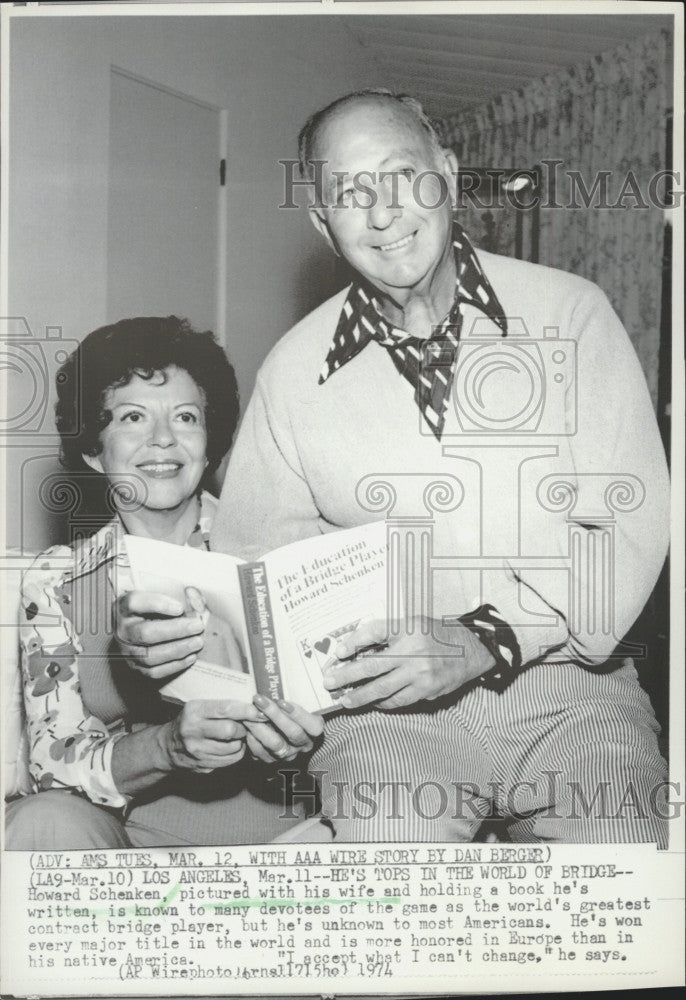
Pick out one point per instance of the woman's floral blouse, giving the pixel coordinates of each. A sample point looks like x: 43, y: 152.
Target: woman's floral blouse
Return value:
x: 69, y: 747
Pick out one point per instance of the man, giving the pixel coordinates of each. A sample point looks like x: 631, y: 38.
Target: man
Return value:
x: 504, y: 700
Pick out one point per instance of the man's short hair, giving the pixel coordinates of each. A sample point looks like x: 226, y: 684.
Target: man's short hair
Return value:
x: 308, y: 133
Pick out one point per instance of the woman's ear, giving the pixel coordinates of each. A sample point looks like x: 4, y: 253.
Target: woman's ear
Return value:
x: 94, y: 462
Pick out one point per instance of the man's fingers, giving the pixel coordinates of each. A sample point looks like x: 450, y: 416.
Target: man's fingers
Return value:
x: 377, y: 690
x: 356, y: 670
x: 401, y: 699
x: 140, y: 602
x: 368, y: 634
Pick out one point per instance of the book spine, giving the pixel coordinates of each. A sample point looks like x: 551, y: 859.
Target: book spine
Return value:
x: 260, y: 623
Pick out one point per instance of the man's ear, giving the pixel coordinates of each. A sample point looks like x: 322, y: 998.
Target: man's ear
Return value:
x: 94, y: 462
x: 449, y: 170
x: 318, y: 220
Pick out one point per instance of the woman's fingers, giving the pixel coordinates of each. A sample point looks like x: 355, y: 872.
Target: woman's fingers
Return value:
x: 155, y: 634
x: 311, y: 722
x: 294, y: 722
x: 143, y: 603
x: 210, y: 734
x: 288, y: 731
x: 240, y: 711
x: 257, y: 750
x: 273, y: 742
x: 218, y: 753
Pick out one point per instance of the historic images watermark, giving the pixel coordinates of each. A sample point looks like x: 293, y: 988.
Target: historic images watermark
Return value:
x: 552, y: 186
x: 464, y: 800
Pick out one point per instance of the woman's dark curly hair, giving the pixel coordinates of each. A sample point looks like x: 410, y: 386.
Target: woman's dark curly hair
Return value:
x: 112, y: 355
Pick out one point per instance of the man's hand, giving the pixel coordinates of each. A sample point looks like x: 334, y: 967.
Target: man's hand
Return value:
x: 156, y: 633
x: 207, y: 735
x: 406, y: 669
x: 288, y: 731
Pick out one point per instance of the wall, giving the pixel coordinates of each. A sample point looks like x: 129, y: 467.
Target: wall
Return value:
x: 605, y: 118
x: 270, y: 73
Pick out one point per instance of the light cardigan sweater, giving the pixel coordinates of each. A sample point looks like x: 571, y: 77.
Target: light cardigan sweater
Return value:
x: 305, y: 451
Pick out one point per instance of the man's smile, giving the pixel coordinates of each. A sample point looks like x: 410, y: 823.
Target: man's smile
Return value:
x: 396, y: 244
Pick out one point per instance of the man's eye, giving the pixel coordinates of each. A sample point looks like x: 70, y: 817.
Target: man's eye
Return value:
x: 407, y: 173
x: 345, y: 195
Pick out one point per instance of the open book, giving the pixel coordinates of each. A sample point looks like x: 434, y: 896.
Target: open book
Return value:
x: 271, y: 626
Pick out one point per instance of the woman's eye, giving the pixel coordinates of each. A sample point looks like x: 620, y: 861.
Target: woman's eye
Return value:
x: 407, y: 173
x: 186, y: 417
x: 133, y: 417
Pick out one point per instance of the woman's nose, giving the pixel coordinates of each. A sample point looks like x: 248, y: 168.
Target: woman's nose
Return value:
x: 162, y: 433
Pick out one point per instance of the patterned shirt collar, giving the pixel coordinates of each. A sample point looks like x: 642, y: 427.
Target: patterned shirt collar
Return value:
x: 107, y: 544
x: 361, y: 319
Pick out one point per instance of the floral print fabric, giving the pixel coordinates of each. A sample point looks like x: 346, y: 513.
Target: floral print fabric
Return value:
x: 69, y: 747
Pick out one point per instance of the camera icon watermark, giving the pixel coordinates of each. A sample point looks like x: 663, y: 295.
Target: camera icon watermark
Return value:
x: 513, y: 386
x: 89, y: 566
x: 27, y: 368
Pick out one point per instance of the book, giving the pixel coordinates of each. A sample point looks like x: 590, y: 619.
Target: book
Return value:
x: 271, y: 626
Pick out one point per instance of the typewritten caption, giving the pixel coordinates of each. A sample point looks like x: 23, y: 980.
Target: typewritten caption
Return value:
x: 327, y: 917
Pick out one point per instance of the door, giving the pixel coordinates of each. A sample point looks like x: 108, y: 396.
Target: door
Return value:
x: 164, y: 201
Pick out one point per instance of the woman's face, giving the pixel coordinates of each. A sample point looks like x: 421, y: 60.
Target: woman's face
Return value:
x: 156, y: 440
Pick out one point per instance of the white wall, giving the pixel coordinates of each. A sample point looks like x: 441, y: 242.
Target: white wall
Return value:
x: 270, y: 73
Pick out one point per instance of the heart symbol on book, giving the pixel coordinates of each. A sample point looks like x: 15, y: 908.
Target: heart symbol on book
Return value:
x: 323, y: 645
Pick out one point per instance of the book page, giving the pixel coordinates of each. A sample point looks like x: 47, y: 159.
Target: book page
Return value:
x: 223, y: 668
x: 320, y: 589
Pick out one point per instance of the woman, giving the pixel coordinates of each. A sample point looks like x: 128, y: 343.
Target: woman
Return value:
x: 151, y: 405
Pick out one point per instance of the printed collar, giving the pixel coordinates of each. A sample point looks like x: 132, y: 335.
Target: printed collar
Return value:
x: 361, y: 319
x: 107, y: 544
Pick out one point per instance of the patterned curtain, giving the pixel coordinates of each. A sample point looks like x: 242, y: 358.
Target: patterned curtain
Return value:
x: 606, y: 121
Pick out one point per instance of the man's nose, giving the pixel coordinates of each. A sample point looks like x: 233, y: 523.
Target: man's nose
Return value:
x: 162, y: 432
x: 383, y: 210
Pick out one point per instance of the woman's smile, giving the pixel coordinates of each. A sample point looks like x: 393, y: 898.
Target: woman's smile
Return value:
x: 161, y: 470
x: 156, y: 439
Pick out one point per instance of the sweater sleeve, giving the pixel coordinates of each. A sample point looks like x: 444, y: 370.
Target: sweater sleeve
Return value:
x: 266, y: 500
x: 605, y: 520
x: 68, y: 747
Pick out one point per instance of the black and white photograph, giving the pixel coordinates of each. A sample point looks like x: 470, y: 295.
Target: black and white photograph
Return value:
x: 341, y: 447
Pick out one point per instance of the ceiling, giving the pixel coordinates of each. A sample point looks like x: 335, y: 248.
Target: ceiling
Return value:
x: 462, y: 60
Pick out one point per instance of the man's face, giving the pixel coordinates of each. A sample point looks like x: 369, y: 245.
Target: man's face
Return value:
x: 387, y: 199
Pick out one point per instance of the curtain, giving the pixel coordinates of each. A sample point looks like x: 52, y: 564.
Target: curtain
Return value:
x: 605, y: 121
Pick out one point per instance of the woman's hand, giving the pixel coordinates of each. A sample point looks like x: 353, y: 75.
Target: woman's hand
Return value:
x: 207, y: 735
x: 157, y: 634
x: 288, y: 731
